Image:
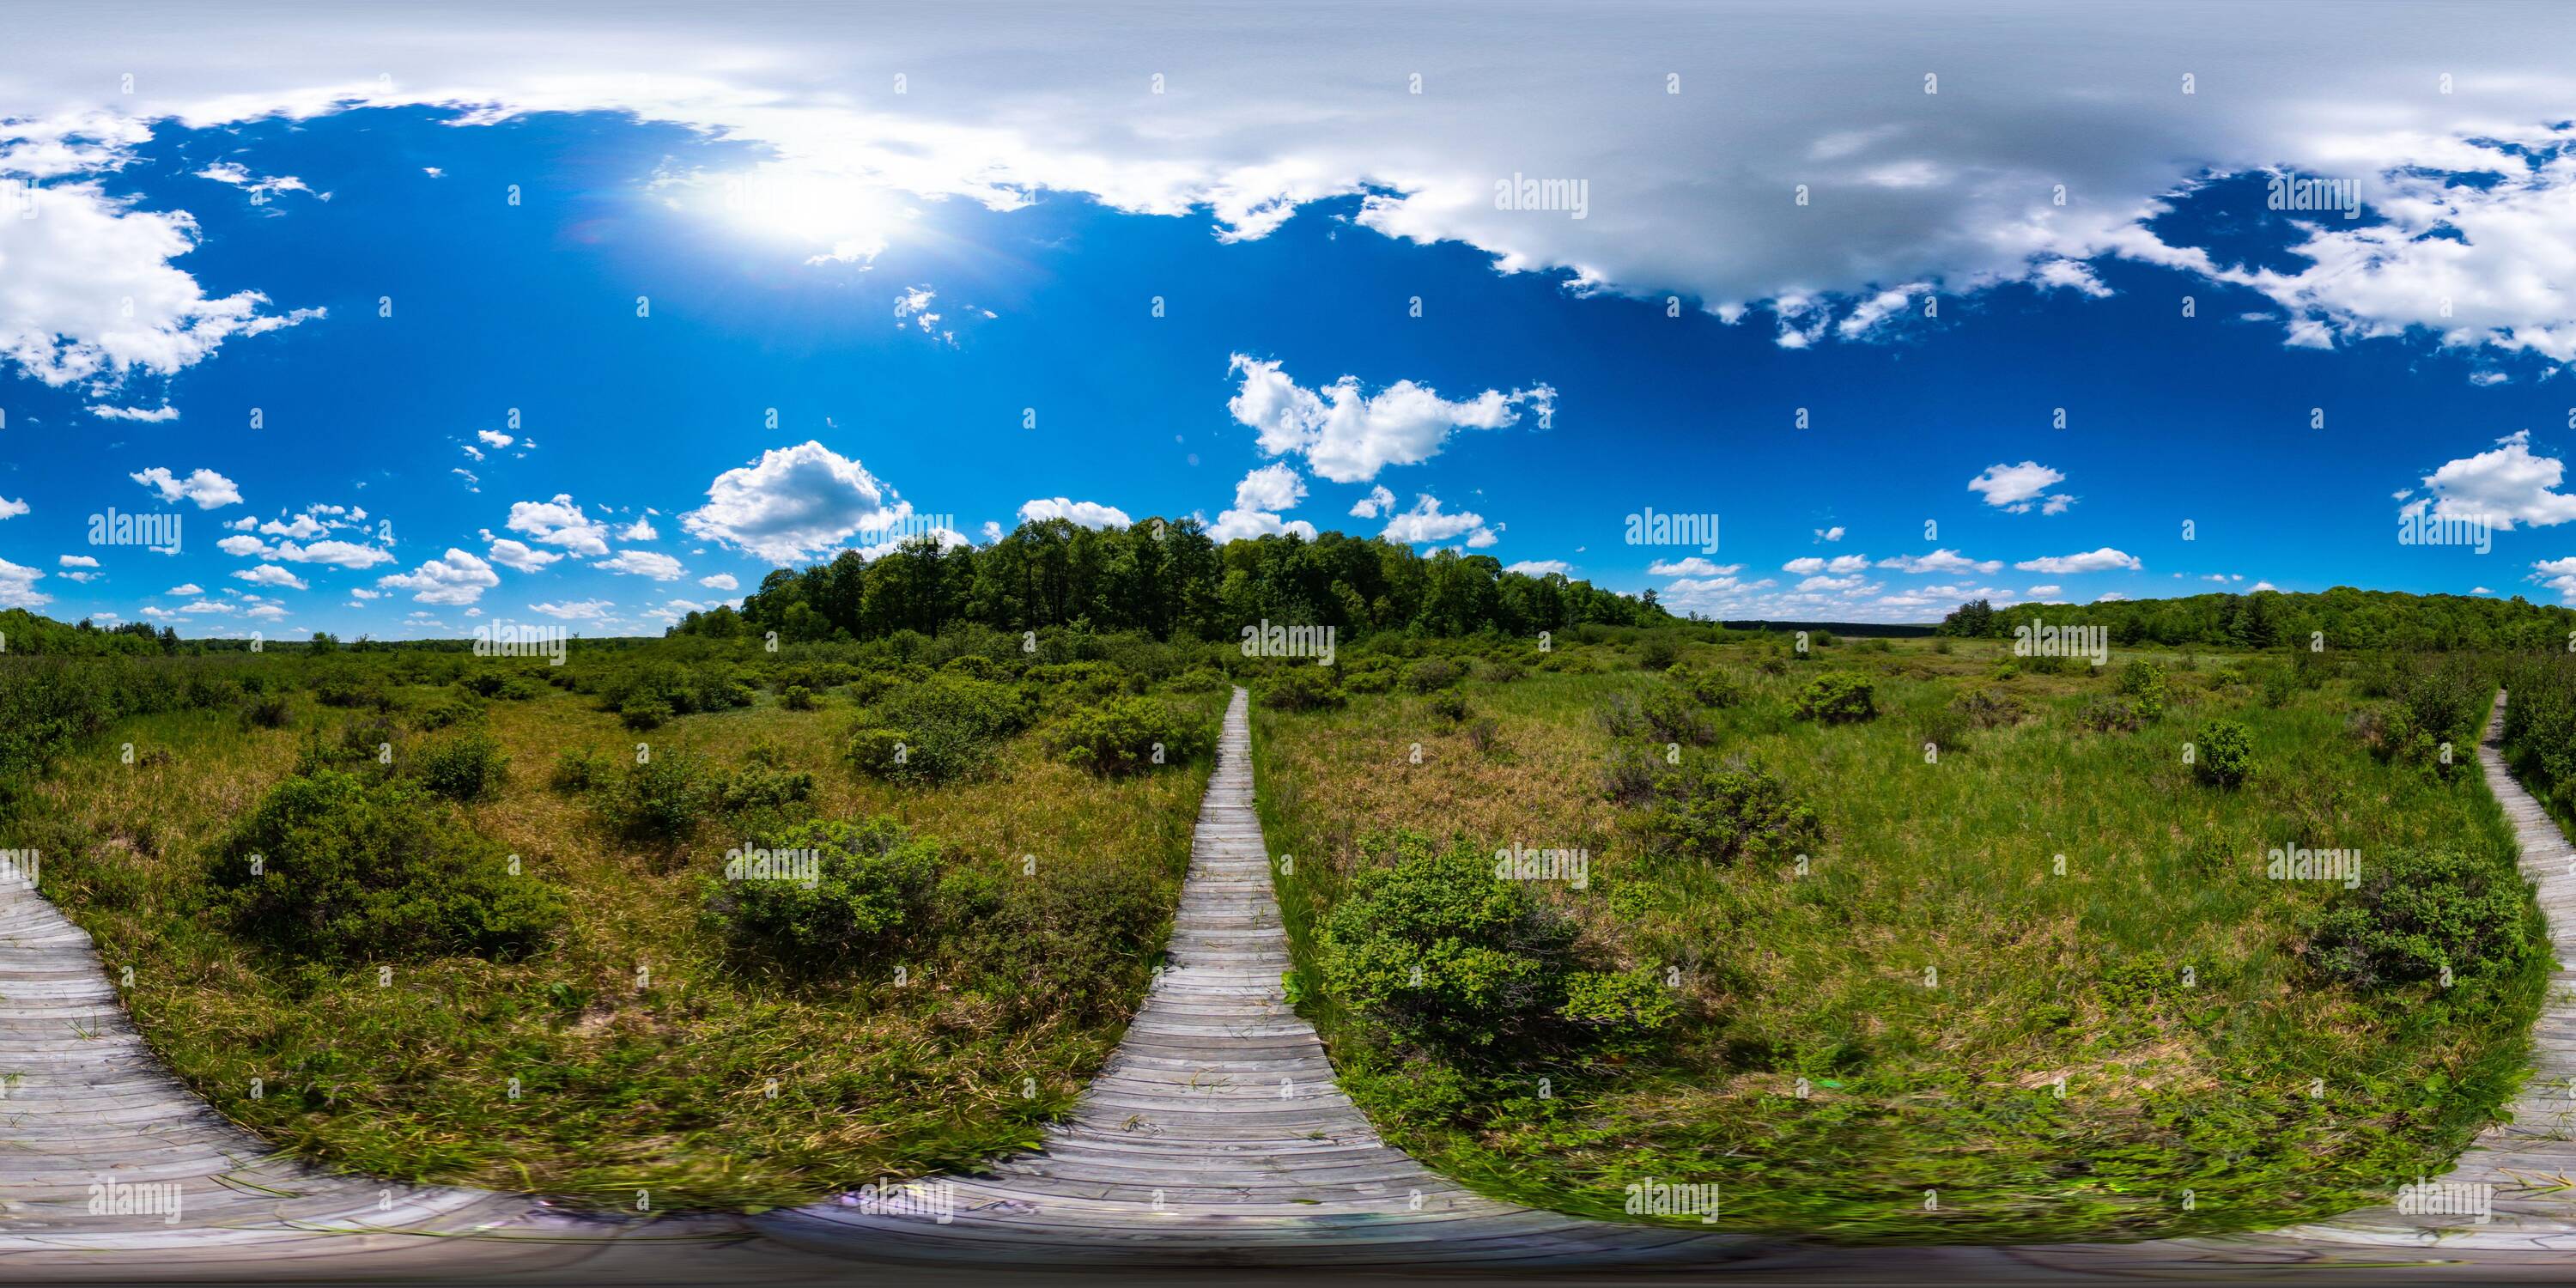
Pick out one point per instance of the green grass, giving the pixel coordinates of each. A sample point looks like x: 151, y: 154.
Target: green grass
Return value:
x: 706, y: 1082
x: 2187, y: 1106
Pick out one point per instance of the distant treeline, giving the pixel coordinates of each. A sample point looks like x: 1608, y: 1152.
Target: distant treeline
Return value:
x: 2346, y: 618
x: 1167, y: 580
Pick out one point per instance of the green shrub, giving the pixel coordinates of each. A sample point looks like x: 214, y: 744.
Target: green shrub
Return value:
x: 880, y: 752
x: 1127, y: 734
x: 797, y: 698
x: 577, y: 769
x: 1986, y: 709
x: 873, y: 885
x: 956, y: 724
x: 2223, y: 755
x: 1499, y: 671
x: 641, y: 714
x: 268, y: 710
x: 2143, y: 684
x: 1661, y: 714
x: 462, y: 766
x: 1709, y: 686
x: 1432, y: 674
x: 2417, y: 912
x: 1655, y: 655
x: 1836, y: 697
x: 1430, y: 950
x: 2106, y: 713
x: 761, y: 787
x: 660, y: 800
x: 1301, y: 688
x: 1450, y: 706
x: 1727, y: 814
x: 358, y: 870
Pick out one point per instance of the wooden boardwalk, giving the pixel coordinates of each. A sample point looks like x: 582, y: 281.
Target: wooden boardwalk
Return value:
x: 1216, y: 1133
x: 1215, y: 1136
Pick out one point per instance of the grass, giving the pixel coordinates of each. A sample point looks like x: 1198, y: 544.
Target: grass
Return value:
x: 1874, y: 1048
x: 634, y: 1058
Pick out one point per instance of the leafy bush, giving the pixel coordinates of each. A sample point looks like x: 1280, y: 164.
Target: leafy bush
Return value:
x: 1127, y: 734
x: 462, y: 766
x: 577, y: 769
x: 873, y: 884
x: 1661, y: 714
x: 1986, y: 709
x: 1655, y: 655
x: 1301, y: 688
x: 1430, y: 950
x: 950, y: 726
x: 1836, y: 697
x: 761, y: 787
x: 641, y: 714
x: 268, y: 710
x: 797, y: 698
x: 2417, y: 912
x: 660, y: 800
x: 880, y: 752
x: 2223, y: 755
x: 1730, y: 813
x: 2106, y: 713
x: 2143, y: 684
x: 1500, y: 671
x: 1450, y: 706
x: 1432, y: 674
x: 1709, y: 686
x: 360, y: 870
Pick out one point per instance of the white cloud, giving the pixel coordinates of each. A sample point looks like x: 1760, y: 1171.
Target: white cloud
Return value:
x: 1240, y: 525
x: 494, y: 438
x: 1271, y: 487
x: 519, y: 556
x: 1378, y: 501
x: 272, y: 575
x: 79, y: 561
x: 260, y: 189
x: 2102, y: 560
x: 643, y: 563
x: 1089, y: 514
x: 11, y: 509
x: 1829, y: 534
x: 189, y: 588
x: 1838, y: 564
x: 2037, y: 591
x: 580, y: 609
x: 270, y: 612
x: 205, y: 487
x: 1347, y: 436
x: 946, y: 538
x: 559, y: 522
x: 2507, y: 485
x: 1693, y: 566
x: 148, y: 415
x: 2018, y: 487
x: 305, y: 525
x: 1541, y: 567
x: 720, y: 581
x: 793, y: 503
x: 640, y: 530
x: 1942, y: 561
x: 455, y: 578
x: 18, y: 587
x: 1424, y: 524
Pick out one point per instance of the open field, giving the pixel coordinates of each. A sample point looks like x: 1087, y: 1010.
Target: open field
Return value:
x: 2031, y: 983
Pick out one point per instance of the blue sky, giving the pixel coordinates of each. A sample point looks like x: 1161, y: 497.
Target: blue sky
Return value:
x: 864, y: 325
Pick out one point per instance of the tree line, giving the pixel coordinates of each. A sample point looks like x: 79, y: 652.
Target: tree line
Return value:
x: 2341, y: 618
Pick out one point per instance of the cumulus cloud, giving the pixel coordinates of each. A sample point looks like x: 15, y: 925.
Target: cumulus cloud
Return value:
x: 2019, y: 488
x: 1693, y: 566
x: 578, y: 610
x: 1258, y: 498
x: 794, y: 503
x: 559, y: 522
x: 2105, y: 559
x: 148, y: 415
x: 1829, y: 534
x: 720, y: 581
x: 1838, y: 564
x: 11, y: 509
x: 1541, y: 567
x: 18, y: 586
x: 205, y: 487
x: 494, y: 438
x: 272, y: 575
x: 1089, y: 514
x: 518, y: 556
x: 1943, y: 562
x: 1378, y: 501
x: 79, y: 561
x: 1347, y: 436
x: 454, y: 578
x: 2506, y: 485
x: 1425, y: 523
x: 643, y: 563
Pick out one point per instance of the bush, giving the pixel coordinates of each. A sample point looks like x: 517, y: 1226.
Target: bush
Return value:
x: 1128, y: 734
x: 1500, y: 671
x: 660, y: 800
x: 1836, y: 697
x: 359, y: 870
x: 1986, y: 709
x: 1430, y: 950
x: 268, y: 710
x: 1451, y: 706
x: 797, y: 698
x: 949, y: 726
x: 2108, y: 714
x: 762, y: 788
x: 641, y: 714
x: 2417, y: 912
x: 1729, y: 814
x: 1432, y: 674
x: 1709, y: 686
x: 463, y: 766
x: 873, y: 885
x: 1655, y: 655
x: 2223, y: 755
x: 1301, y: 688
x: 1662, y: 714
x: 2143, y: 684
x: 577, y: 769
